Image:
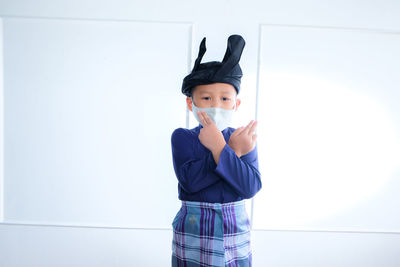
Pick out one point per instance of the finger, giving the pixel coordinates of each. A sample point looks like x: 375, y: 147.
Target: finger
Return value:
x: 201, y: 118
x: 254, y: 137
x: 238, y: 130
x: 247, y: 128
x: 235, y: 132
x: 253, y: 128
x: 207, y: 118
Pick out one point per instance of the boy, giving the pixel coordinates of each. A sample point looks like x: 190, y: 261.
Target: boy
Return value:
x: 216, y: 166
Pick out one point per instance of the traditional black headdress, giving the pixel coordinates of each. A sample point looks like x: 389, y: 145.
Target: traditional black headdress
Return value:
x: 227, y: 71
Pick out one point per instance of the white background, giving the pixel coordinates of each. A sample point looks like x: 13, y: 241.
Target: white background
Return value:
x: 91, y: 95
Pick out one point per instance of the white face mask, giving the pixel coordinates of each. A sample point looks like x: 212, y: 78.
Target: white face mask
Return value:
x: 221, y: 117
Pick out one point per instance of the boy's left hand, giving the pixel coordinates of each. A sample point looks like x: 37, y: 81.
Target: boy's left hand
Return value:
x: 243, y: 139
x: 210, y: 136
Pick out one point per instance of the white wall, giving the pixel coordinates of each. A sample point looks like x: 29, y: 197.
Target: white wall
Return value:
x: 91, y: 94
x: 88, y: 120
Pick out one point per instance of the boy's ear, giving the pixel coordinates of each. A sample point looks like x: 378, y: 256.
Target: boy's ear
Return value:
x: 238, y: 101
x: 189, y: 103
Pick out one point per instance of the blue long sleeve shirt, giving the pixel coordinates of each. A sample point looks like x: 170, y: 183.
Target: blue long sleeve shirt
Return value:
x: 201, y: 179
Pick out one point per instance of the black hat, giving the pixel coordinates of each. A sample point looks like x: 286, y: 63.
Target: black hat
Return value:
x: 227, y: 71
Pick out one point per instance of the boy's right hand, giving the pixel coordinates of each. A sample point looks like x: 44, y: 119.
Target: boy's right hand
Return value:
x: 210, y: 136
x: 243, y: 139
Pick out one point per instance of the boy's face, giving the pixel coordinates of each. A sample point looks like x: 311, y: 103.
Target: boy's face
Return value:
x: 214, y: 95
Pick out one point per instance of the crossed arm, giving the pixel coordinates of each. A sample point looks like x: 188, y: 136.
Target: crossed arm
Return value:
x: 235, y: 162
x: 242, y: 140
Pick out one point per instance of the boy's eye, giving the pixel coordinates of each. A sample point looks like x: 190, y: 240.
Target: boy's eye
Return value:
x: 206, y: 98
x: 225, y: 98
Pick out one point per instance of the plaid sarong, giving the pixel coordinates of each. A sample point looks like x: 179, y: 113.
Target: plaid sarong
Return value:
x: 211, y: 234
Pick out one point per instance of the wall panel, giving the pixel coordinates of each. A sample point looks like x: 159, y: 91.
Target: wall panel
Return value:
x: 89, y: 110
x: 330, y: 124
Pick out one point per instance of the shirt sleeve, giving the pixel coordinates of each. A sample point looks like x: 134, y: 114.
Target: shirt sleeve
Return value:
x: 240, y: 173
x: 194, y: 174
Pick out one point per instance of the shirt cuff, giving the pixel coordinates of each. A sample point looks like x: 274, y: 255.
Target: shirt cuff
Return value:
x: 251, y: 156
x: 226, y: 152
